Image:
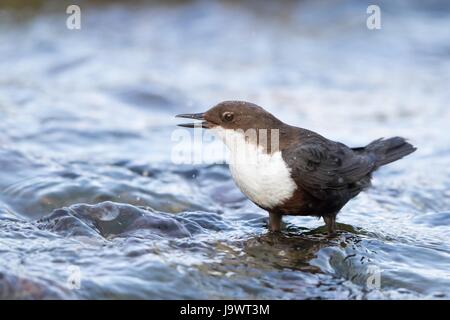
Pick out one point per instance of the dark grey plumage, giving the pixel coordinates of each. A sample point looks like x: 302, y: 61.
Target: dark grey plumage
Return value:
x: 329, y: 173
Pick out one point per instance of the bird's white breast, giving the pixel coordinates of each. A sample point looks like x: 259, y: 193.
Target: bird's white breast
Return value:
x: 263, y: 178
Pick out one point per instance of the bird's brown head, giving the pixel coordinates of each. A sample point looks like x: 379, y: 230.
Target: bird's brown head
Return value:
x: 234, y: 115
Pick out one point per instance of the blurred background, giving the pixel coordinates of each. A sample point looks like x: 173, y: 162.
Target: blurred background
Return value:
x: 86, y: 116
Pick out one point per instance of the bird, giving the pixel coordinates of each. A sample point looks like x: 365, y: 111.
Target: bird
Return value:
x: 288, y: 170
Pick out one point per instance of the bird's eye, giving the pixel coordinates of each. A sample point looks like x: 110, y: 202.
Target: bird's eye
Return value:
x: 227, y: 116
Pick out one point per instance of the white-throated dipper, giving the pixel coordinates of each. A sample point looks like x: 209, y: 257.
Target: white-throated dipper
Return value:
x: 288, y: 170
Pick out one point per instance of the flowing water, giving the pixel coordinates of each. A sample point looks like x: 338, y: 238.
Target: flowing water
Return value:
x: 92, y: 204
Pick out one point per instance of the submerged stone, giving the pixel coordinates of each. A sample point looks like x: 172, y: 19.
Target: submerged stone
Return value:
x: 13, y: 287
x: 109, y: 219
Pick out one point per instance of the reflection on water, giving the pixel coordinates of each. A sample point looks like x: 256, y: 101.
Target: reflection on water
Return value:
x: 87, y: 181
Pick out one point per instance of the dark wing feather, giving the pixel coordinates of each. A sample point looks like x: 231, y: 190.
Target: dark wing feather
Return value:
x: 327, y: 169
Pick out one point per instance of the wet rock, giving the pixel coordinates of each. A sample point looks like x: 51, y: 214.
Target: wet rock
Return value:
x: 13, y: 287
x: 284, y: 251
x: 62, y: 221
x: 109, y: 220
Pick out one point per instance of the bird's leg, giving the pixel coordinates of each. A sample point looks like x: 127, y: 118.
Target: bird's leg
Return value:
x: 274, y: 222
x: 330, y: 222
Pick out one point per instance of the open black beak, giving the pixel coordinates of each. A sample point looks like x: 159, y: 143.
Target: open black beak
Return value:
x: 196, y: 116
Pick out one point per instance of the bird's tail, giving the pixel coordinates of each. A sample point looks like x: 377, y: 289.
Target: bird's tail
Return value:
x: 389, y: 150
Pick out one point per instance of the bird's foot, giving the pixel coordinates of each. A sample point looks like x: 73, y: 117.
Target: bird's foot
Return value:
x: 330, y: 222
x: 274, y: 222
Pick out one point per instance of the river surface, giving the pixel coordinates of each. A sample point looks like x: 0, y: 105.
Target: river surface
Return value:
x: 93, y: 206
